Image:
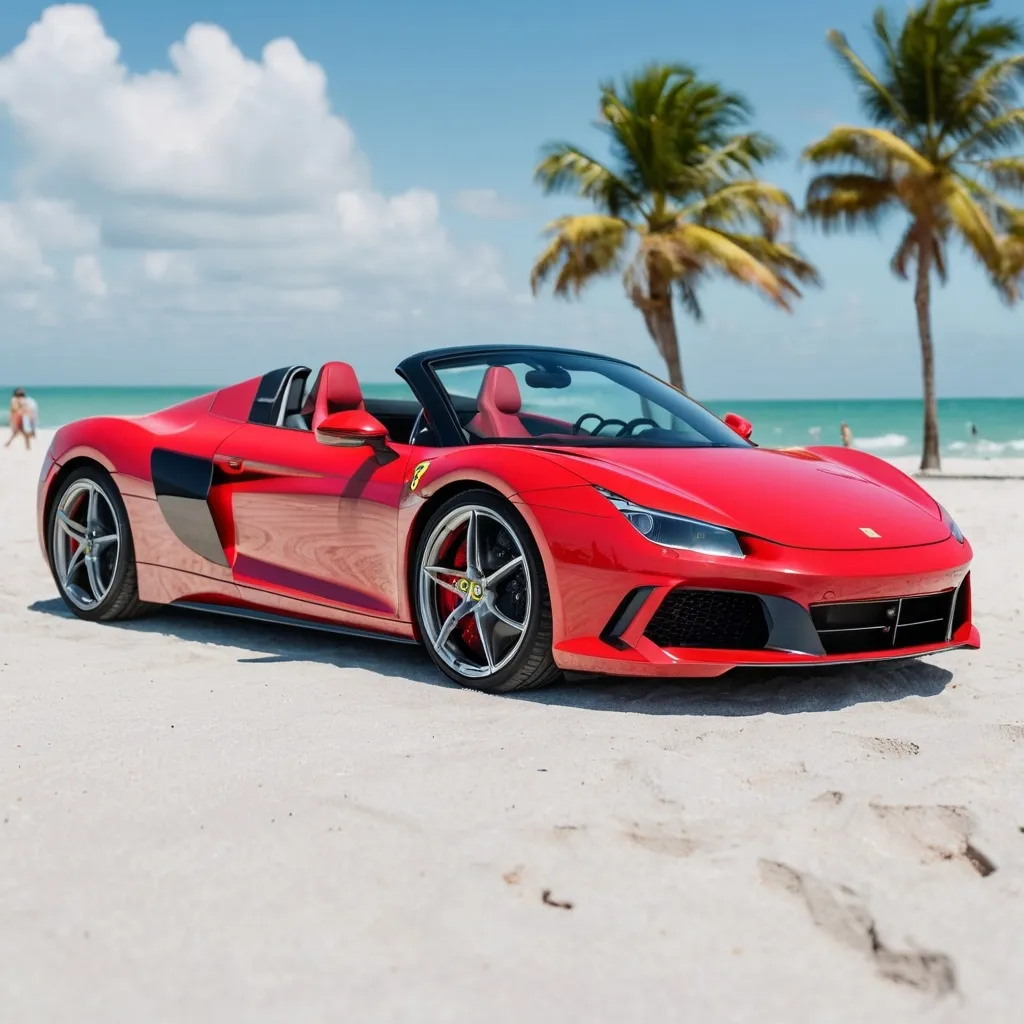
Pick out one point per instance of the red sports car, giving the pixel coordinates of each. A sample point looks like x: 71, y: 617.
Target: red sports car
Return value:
x: 522, y: 511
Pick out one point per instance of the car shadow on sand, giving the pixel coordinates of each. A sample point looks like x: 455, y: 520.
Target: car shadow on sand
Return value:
x: 739, y: 693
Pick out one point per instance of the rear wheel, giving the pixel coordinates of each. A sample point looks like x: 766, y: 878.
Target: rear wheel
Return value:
x: 482, y: 599
x: 90, y: 546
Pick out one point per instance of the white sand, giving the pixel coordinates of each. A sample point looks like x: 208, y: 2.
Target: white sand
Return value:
x: 205, y: 820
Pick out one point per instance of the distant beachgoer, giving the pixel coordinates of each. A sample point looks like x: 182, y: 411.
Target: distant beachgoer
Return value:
x: 847, y: 434
x: 16, y: 414
x: 29, y: 418
x: 974, y: 430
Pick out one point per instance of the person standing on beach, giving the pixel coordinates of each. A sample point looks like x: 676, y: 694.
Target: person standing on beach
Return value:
x: 29, y: 418
x: 847, y: 434
x: 15, y: 415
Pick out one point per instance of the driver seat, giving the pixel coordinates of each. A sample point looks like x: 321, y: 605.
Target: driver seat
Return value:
x: 336, y: 389
x: 498, y: 405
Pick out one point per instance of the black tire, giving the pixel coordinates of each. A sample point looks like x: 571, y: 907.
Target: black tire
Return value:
x: 122, y: 599
x: 533, y: 664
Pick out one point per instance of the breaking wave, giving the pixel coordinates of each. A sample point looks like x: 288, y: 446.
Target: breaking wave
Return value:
x: 985, y: 447
x: 884, y: 443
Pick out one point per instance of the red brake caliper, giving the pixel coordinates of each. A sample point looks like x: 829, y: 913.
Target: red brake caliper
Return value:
x: 448, y: 602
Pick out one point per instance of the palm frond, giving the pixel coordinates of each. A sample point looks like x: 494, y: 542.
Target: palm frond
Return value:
x: 939, y: 259
x: 993, y: 89
x: 581, y: 249
x: 1013, y: 257
x: 876, y: 97
x: 742, y: 153
x: 693, y: 247
x: 741, y: 202
x: 975, y: 228
x: 686, y: 289
x: 906, y: 250
x: 784, y: 259
x: 849, y: 200
x: 1001, y: 130
x: 1004, y: 172
x: 566, y: 168
x: 876, y: 149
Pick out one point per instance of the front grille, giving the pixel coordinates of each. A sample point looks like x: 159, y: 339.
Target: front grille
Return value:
x: 709, y: 618
x: 860, y: 627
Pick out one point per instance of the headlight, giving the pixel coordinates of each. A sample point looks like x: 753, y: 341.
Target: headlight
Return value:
x: 674, y: 531
x: 951, y: 523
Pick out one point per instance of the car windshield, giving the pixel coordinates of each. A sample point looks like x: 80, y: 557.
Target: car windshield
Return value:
x: 550, y: 397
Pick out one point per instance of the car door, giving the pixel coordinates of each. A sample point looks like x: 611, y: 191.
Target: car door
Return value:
x: 308, y: 521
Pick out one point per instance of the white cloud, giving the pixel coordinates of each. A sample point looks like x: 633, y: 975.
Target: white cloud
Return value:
x: 174, y: 268
x: 232, y: 177
x: 487, y: 204
x: 218, y: 129
x: 87, y: 275
x: 22, y: 261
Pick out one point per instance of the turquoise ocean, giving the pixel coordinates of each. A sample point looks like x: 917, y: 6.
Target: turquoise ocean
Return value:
x: 888, y: 427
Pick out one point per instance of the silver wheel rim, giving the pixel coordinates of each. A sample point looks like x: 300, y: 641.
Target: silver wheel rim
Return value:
x: 489, y: 598
x: 86, y: 544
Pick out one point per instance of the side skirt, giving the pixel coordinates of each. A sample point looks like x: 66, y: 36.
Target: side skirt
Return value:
x: 272, y: 618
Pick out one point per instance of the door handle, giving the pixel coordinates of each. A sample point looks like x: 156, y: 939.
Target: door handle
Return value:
x: 230, y: 464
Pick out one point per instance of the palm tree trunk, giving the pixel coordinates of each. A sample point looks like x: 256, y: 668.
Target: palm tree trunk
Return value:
x: 660, y: 319
x: 661, y: 323
x: 930, y: 458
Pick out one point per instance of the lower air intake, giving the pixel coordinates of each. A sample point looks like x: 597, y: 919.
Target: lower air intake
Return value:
x: 709, y: 618
x: 867, y: 627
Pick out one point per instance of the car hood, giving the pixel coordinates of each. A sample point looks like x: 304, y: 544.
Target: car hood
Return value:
x: 797, y: 497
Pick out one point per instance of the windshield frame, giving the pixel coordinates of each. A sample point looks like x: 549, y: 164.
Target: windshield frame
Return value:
x: 420, y: 373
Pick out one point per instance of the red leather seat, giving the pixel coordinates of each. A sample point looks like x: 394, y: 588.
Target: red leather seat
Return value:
x: 498, y: 405
x: 336, y: 389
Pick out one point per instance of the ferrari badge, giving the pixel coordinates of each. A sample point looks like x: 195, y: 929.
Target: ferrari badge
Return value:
x: 417, y: 474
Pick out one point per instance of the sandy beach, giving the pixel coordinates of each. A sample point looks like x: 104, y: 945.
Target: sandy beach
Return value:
x: 208, y: 820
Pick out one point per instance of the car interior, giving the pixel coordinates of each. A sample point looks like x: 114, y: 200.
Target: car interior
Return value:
x: 304, y: 401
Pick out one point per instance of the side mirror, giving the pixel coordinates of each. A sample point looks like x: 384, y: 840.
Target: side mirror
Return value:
x: 742, y: 427
x: 351, y: 429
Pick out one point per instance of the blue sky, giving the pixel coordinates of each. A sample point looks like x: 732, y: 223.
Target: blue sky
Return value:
x: 452, y: 97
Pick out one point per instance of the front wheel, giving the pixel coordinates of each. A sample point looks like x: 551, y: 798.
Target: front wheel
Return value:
x: 482, y: 601
x: 90, y: 547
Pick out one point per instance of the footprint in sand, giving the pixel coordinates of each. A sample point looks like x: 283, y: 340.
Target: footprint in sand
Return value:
x: 672, y: 842
x: 889, y: 747
x: 839, y: 912
x: 939, y: 832
x: 1014, y: 733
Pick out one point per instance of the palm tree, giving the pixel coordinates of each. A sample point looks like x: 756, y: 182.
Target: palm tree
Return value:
x: 942, y: 103
x: 676, y: 204
x: 1014, y: 249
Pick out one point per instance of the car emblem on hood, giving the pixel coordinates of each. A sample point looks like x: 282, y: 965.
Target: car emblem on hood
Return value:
x: 868, y: 532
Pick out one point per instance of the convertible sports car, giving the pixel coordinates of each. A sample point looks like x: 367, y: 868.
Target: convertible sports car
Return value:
x: 522, y: 512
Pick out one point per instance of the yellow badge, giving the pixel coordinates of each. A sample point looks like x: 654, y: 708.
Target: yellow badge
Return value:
x: 417, y: 475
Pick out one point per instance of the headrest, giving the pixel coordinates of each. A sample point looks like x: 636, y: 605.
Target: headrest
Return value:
x: 500, y: 390
x: 341, y: 387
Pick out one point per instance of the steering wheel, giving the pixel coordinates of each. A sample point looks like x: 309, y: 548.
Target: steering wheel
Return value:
x: 588, y: 416
x: 627, y: 431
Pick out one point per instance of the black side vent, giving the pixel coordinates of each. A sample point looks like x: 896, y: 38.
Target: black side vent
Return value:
x: 861, y: 627
x: 709, y: 618
x: 963, y: 598
x: 623, y: 616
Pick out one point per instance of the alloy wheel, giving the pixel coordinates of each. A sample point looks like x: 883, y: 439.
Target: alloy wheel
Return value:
x: 475, y: 591
x: 86, y: 544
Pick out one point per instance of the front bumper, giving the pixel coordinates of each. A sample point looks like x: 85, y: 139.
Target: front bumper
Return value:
x: 608, y: 584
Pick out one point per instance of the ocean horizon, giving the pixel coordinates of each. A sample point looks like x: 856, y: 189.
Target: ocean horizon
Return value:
x: 887, y: 427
